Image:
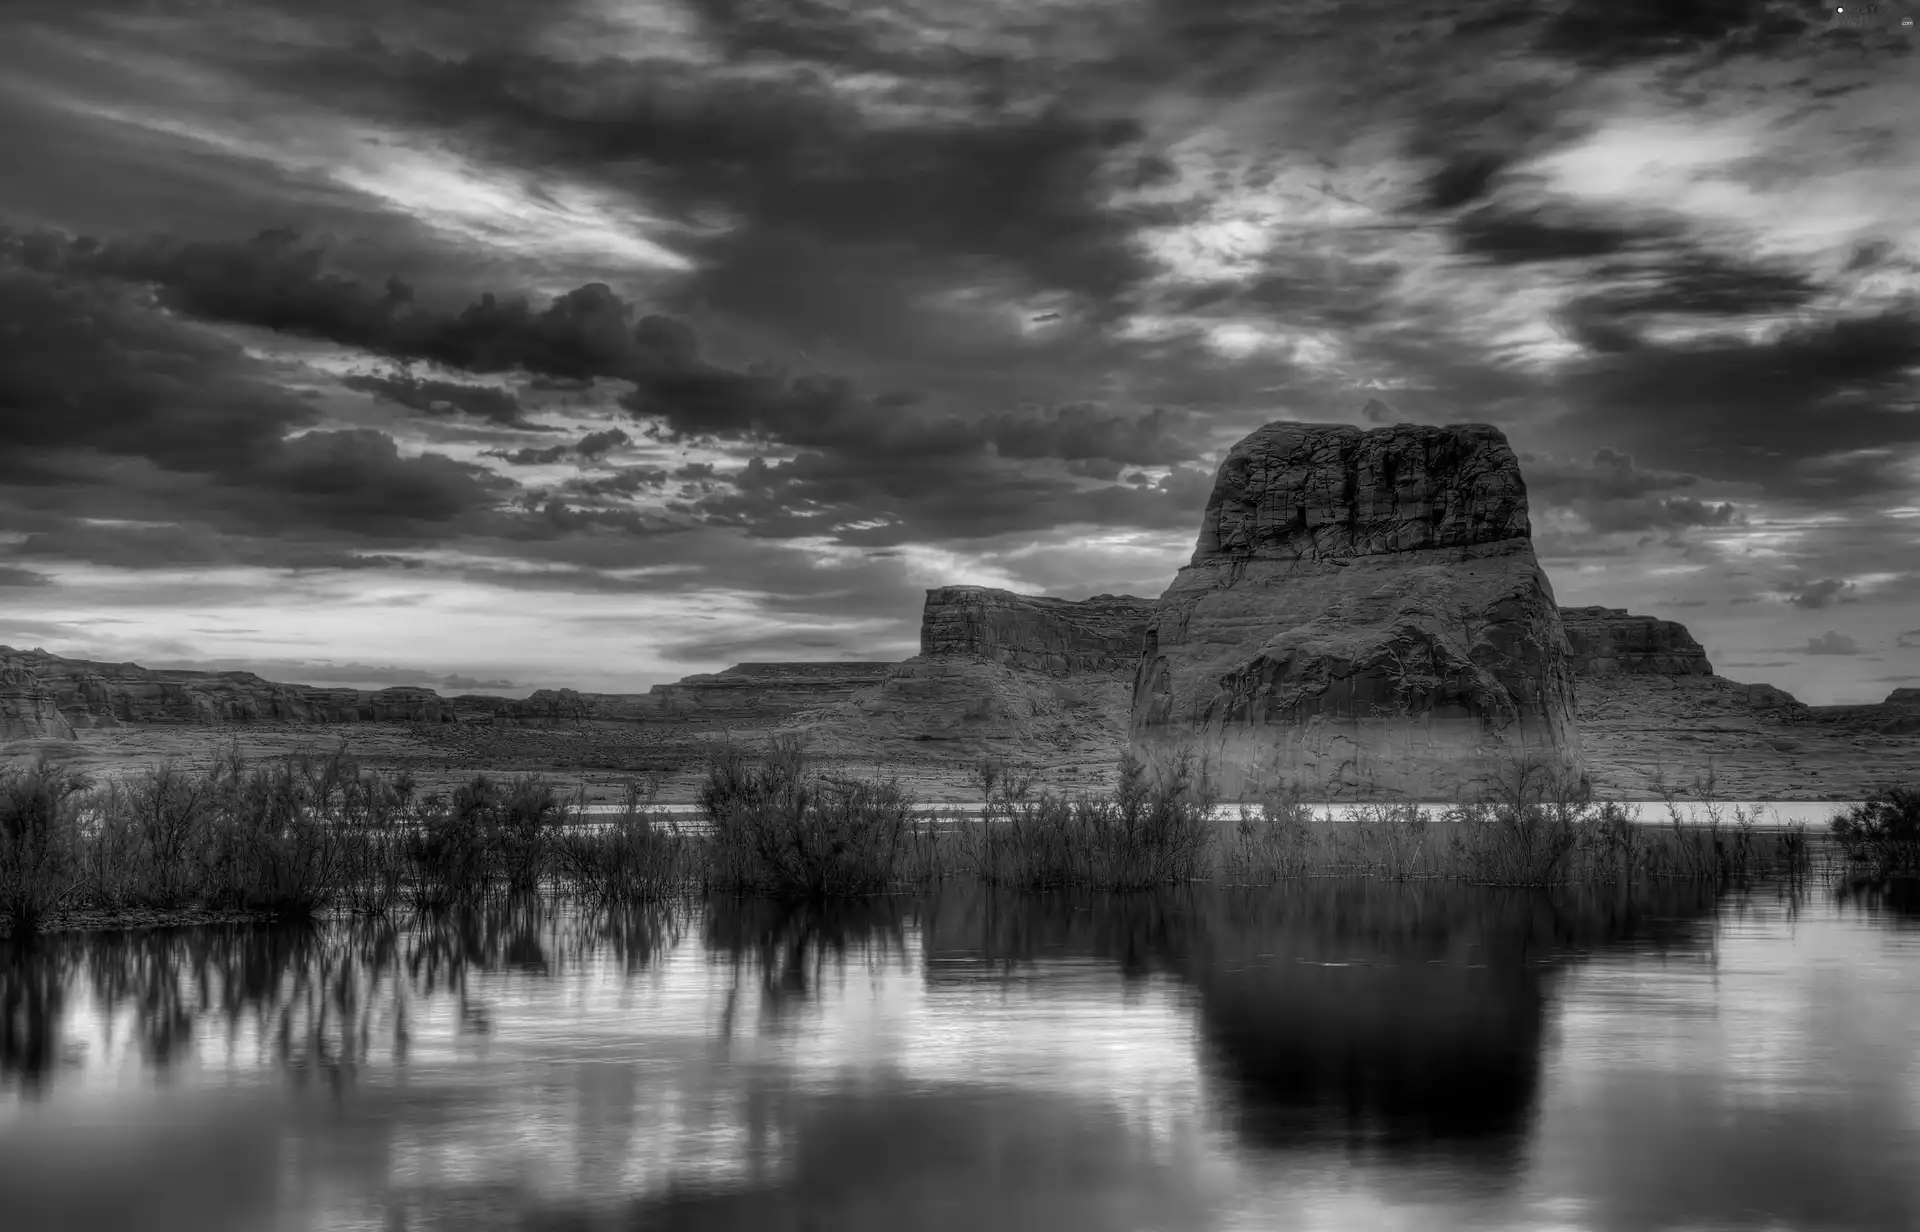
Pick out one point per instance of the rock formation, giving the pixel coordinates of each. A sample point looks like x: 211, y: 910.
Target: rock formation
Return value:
x: 1000, y: 673
x: 751, y: 694
x: 1363, y: 615
x: 1054, y: 636
x: 1608, y: 641
x: 27, y: 708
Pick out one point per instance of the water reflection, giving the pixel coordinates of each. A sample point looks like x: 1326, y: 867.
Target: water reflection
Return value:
x: 1324, y: 1054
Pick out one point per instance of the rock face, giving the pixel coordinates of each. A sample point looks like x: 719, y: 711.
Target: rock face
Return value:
x: 1054, y: 636
x: 1608, y: 641
x: 90, y: 694
x: 1000, y: 673
x: 27, y: 709
x: 753, y: 693
x: 1363, y: 616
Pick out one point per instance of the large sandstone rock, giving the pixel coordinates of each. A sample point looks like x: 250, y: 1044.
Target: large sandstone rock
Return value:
x: 751, y: 694
x: 999, y: 674
x: 1608, y: 641
x: 1363, y: 616
x: 1056, y: 636
x: 27, y: 708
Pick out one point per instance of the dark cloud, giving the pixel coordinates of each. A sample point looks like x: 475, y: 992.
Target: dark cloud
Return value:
x: 1462, y: 180
x: 1518, y: 237
x: 440, y: 397
x: 1605, y: 33
x: 1908, y: 640
x: 1737, y: 408
x: 593, y: 444
x: 1615, y: 494
x: 1608, y: 475
x: 1831, y: 643
x: 1818, y: 594
x: 178, y: 444
x: 530, y: 456
x: 278, y: 281
x: 357, y: 480
x: 11, y: 575
x: 1697, y: 283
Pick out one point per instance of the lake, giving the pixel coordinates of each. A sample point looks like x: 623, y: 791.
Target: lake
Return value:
x: 1317, y: 1055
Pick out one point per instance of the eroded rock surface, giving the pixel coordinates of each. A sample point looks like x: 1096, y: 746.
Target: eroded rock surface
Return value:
x: 1000, y: 674
x: 762, y: 693
x: 1059, y: 637
x: 1364, y: 616
x: 1609, y: 641
x: 91, y: 694
x: 27, y: 707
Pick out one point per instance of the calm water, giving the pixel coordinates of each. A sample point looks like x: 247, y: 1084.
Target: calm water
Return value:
x: 1321, y: 1055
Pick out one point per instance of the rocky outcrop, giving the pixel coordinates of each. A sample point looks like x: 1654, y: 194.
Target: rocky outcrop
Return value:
x: 1000, y: 674
x: 1056, y: 636
x: 27, y: 707
x: 749, y: 694
x: 1898, y: 714
x: 1363, y: 616
x: 1610, y: 641
x: 400, y: 704
x: 91, y: 694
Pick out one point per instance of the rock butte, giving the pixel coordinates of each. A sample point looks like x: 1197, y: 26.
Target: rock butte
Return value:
x: 1363, y: 615
x: 1000, y: 673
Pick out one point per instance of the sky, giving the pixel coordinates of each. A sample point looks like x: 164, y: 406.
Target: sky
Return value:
x: 517, y: 343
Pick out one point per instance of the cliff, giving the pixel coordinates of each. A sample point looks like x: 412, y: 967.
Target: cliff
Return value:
x: 755, y: 693
x: 27, y: 707
x: 1363, y: 615
x: 1055, y: 636
x: 1608, y: 641
x: 999, y: 674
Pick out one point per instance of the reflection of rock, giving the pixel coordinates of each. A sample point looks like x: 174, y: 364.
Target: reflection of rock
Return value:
x: 27, y: 708
x: 998, y: 672
x: 1408, y: 1017
x: 1608, y: 641
x: 1364, y: 615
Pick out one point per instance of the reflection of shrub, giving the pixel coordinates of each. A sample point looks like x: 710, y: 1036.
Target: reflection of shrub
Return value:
x: 780, y: 828
x: 1883, y: 832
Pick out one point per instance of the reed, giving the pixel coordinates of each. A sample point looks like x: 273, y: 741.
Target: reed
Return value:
x: 779, y: 827
x: 1152, y: 830
x: 299, y: 834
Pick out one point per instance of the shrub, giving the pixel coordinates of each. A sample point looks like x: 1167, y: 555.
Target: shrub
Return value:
x: 782, y: 829
x: 1882, y: 832
x: 639, y: 856
x: 39, y: 825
